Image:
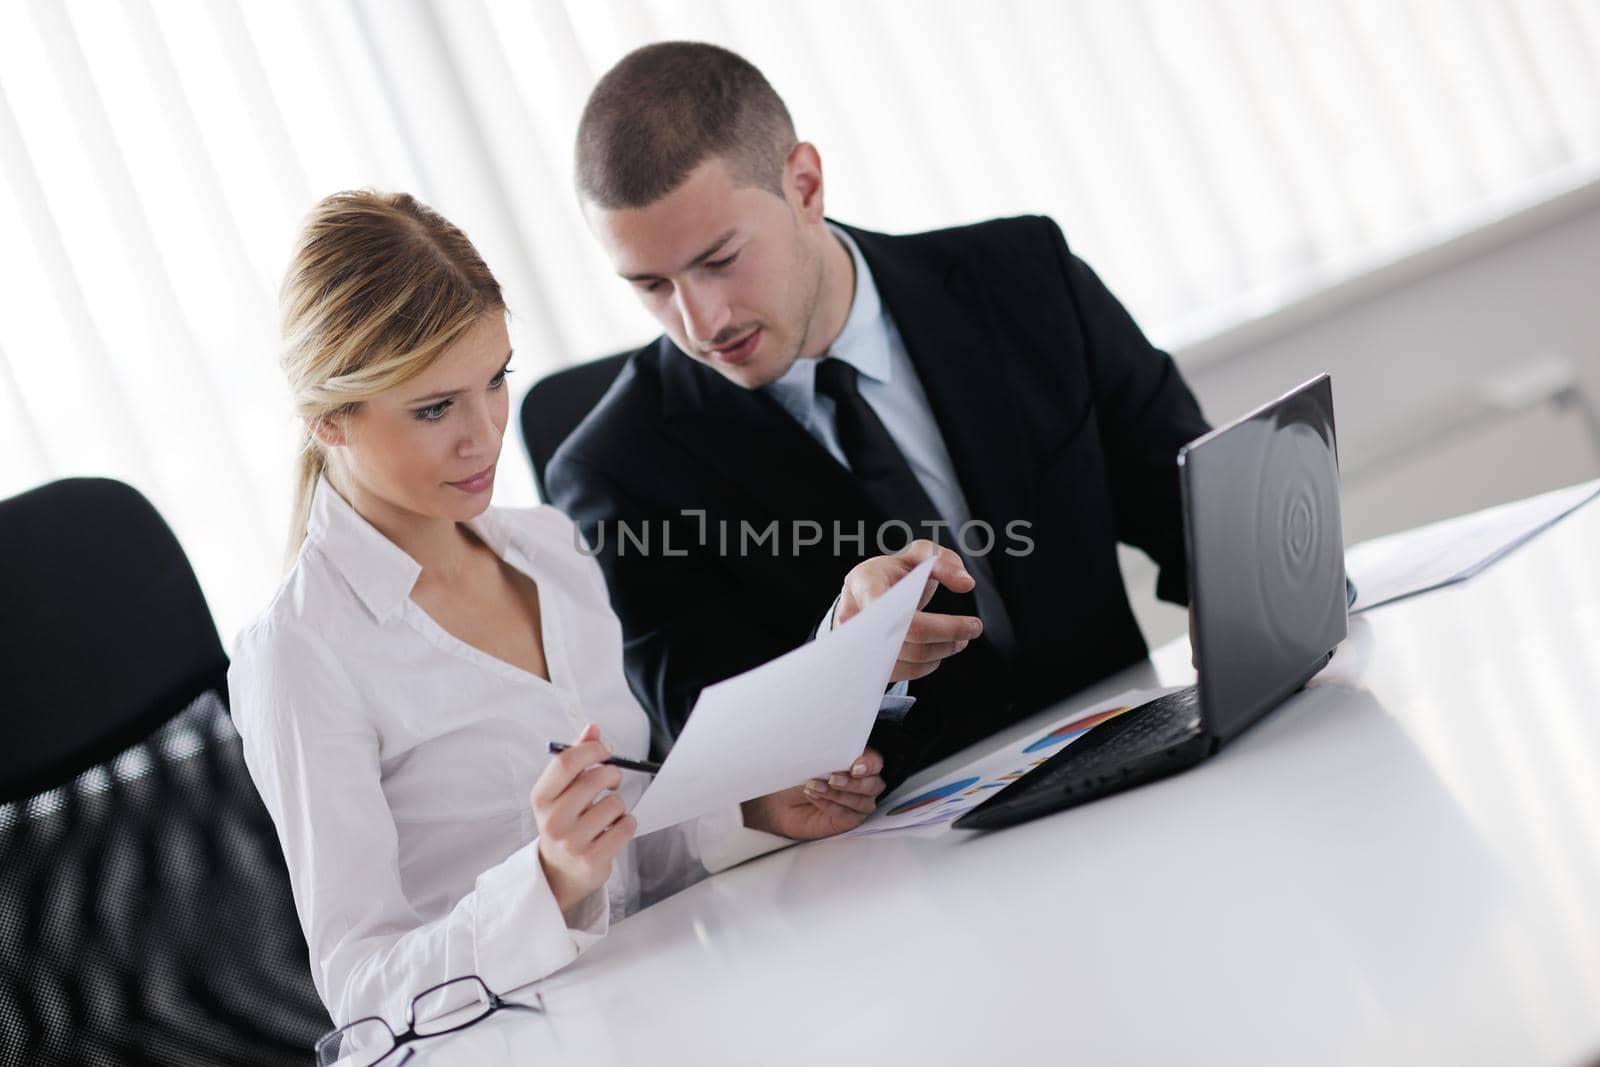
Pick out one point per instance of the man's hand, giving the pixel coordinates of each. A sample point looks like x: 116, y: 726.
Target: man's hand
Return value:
x: 820, y: 808
x: 931, y: 637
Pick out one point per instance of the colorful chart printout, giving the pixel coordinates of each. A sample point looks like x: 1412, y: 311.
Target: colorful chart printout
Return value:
x: 971, y: 785
x: 932, y: 796
x: 1071, y: 731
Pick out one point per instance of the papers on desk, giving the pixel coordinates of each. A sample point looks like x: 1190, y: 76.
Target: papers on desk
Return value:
x: 803, y: 715
x: 1414, y: 561
x: 976, y: 782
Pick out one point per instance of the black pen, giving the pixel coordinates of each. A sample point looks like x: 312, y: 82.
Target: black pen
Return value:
x: 614, y: 761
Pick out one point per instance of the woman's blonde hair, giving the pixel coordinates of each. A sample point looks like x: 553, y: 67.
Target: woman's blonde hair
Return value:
x: 378, y: 286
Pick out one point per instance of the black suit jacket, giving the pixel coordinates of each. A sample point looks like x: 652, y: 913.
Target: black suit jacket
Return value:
x: 1056, y: 411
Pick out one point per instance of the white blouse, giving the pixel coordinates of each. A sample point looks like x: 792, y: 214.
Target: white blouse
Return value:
x: 396, y: 761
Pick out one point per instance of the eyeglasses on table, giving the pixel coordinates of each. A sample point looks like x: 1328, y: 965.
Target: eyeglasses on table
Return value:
x: 451, y: 1005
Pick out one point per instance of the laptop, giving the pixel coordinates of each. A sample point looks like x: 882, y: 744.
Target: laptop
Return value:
x: 1270, y: 601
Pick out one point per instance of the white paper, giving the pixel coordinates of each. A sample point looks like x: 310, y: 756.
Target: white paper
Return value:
x: 1414, y: 561
x: 947, y: 797
x: 803, y: 715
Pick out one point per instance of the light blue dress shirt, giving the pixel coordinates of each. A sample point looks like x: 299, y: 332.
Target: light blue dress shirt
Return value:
x: 888, y: 382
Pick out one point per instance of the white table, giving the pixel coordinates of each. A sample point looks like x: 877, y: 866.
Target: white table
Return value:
x: 1401, y: 865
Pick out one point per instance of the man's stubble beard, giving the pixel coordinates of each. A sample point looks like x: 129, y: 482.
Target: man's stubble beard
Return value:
x: 810, y: 314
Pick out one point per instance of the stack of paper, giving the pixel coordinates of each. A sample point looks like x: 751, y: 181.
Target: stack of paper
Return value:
x: 1415, y: 561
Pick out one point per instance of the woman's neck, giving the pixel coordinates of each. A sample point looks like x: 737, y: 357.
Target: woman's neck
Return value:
x: 445, y: 549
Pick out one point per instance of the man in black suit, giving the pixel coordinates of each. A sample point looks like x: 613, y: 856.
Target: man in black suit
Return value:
x: 823, y: 392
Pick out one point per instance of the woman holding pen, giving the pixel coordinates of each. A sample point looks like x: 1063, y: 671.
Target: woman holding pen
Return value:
x: 398, y: 693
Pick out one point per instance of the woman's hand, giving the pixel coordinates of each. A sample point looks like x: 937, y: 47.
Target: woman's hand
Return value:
x: 578, y: 836
x: 932, y: 636
x: 820, y: 808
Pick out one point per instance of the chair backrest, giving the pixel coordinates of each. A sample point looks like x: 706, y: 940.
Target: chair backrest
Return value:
x: 105, y: 633
x: 557, y: 403
x: 145, y: 912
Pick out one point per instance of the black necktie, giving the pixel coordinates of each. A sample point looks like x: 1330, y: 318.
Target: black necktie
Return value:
x: 971, y: 681
x: 875, y: 459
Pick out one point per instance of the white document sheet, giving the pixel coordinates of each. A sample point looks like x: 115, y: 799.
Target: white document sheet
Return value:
x: 803, y: 715
x: 951, y: 794
x: 1414, y: 561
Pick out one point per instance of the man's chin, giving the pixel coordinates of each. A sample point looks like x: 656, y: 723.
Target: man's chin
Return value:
x: 752, y: 374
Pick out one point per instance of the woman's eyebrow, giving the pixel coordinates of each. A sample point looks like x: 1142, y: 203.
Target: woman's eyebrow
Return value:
x: 447, y: 395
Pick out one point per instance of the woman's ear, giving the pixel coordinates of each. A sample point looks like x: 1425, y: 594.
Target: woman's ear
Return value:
x: 328, y: 429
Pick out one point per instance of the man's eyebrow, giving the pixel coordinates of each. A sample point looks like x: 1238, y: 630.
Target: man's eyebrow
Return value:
x: 436, y: 397
x: 716, y: 247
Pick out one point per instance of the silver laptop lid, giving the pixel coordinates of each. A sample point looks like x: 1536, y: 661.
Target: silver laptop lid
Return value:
x: 1266, y: 554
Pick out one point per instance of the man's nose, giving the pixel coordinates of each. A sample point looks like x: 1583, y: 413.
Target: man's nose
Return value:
x: 703, y: 311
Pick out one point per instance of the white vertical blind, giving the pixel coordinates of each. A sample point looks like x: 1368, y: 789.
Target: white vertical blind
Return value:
x: 1214, y: 159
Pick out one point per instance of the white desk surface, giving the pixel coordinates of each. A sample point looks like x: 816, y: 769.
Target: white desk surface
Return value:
x: 1401, y: 865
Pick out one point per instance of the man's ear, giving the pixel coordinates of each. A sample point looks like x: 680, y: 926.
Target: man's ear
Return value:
x: 328, y: 429
x: 802, y: 180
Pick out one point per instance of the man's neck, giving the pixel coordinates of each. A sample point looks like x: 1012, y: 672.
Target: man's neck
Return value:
x: 838, y: 294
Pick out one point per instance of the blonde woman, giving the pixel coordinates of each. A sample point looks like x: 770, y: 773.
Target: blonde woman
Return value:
x: 397, y: 695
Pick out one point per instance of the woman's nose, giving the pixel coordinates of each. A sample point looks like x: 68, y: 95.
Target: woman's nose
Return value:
x: 485, y: 432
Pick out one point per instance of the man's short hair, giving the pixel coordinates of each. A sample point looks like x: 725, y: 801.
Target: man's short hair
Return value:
x: 666, y: 108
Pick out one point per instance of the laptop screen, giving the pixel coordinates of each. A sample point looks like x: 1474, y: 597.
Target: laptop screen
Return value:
x: 1266, y: 554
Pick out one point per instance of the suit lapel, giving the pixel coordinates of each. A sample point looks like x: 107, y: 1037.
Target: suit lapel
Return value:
x: 750, y: 439
x: 938, y: 311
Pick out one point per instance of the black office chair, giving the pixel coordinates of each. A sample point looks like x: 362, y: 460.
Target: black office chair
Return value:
x: 145, y: 913
x: 557, y: 403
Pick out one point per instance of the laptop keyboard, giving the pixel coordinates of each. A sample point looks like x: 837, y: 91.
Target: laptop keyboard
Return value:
x: 1142, y: 732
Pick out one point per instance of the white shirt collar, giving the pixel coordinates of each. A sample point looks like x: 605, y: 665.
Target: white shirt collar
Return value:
x: 863, y: 342
x: 380, y: 571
